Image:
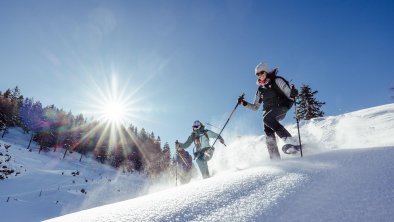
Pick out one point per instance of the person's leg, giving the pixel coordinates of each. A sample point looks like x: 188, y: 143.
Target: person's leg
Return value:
x: 271, y: 143
x: 203, y: 166
x: 271, y: 120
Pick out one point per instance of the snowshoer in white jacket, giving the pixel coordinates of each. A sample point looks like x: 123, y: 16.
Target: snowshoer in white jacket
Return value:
x: 277, y: 97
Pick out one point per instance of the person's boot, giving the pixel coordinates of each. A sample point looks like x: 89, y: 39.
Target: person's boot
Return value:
x: 272, y: 148
x: 291, y: 145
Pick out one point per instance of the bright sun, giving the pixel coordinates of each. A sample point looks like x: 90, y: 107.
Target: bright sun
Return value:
x: 111, y: 103
x: 114, y: 107
x: 114, y: 112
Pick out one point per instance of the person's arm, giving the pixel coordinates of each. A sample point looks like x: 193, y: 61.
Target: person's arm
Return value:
x: 284, y: 87
x: 256, y: 104
x: 187, y: 143
x: 214, y: 135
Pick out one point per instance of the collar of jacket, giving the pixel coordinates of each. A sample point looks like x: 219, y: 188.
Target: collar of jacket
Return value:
x: 264, y: 82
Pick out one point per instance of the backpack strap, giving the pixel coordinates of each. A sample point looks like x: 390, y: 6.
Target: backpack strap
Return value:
x: 276, y: 87
x: 201, y: 152
x: 206, y: 134
x: 279, y: 91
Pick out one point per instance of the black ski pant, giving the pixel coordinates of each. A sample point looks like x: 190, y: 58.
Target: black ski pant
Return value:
x: 271, y: 120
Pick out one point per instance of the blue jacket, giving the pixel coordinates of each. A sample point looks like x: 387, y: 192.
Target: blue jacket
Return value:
x: 200, y: 138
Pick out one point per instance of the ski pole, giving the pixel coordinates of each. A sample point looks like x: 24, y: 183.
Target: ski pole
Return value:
x: 178, y: 154
x: 242, y: 96
x: 298, y: 122
x: 176, y: 173
x: 176, y: 163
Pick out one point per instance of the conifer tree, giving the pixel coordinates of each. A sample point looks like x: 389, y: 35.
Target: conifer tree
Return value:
x: 143, y: 135
x: 7, y: 94
x: 8, y: 111
x: 307, y: 105
x: 152, y: 136
x: 166, y: 154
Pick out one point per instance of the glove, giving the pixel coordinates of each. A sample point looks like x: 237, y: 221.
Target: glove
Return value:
x: 177, y: 147
x: 293, y: 92
x: 222, y: 141
x: 242, y: 101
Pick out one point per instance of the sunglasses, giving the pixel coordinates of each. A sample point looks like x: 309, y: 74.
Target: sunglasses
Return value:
x: 196, y: 127
x: 261, y: 73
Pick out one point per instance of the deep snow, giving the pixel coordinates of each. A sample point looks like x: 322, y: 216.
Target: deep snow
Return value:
x: 49, y: 185
x: 346, y: 175
x: 342, y: 185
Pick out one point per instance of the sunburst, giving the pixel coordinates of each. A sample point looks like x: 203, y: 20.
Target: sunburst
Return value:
x: 114, y: 112
x: 112, y: 106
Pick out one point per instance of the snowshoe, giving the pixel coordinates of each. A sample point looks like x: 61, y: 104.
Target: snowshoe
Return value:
x: 291, y: 149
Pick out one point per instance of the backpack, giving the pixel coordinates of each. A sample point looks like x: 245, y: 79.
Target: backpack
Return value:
x: 286, y: 101
x: 185, y: 160
x: 189, y: 161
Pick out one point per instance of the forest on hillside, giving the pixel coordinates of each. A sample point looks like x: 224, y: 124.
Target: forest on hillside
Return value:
x: 125, y: 148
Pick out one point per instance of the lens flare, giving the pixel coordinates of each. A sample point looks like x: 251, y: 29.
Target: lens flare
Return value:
x: 113, y: 107
x: 110, y: 104
x: 114, y: 112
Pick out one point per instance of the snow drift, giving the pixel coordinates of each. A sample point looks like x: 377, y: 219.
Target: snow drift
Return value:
x: 346, y: 175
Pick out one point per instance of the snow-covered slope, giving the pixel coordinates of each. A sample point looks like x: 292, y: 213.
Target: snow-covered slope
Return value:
x: 336, y: 186
x: 373, y: 127
x: 49, y: 185
x: 346, y: 175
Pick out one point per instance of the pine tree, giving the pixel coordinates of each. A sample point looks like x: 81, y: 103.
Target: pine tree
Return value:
x: 307, y: 106
x: 8, y: 112
x: 131, y: 128
x: 16, y: 94
x: 166, y: 156
x: 166, y: 148
x: 24, y: 112
x: 152, y: 136
x: 143, y: 135
x: 7, y: 94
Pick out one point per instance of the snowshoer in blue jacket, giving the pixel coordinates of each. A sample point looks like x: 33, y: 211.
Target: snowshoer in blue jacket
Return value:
x: 277, y: 98
x: 203, y: 151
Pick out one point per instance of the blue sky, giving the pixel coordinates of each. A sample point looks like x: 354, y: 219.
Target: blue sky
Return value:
x: 177, y: 61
